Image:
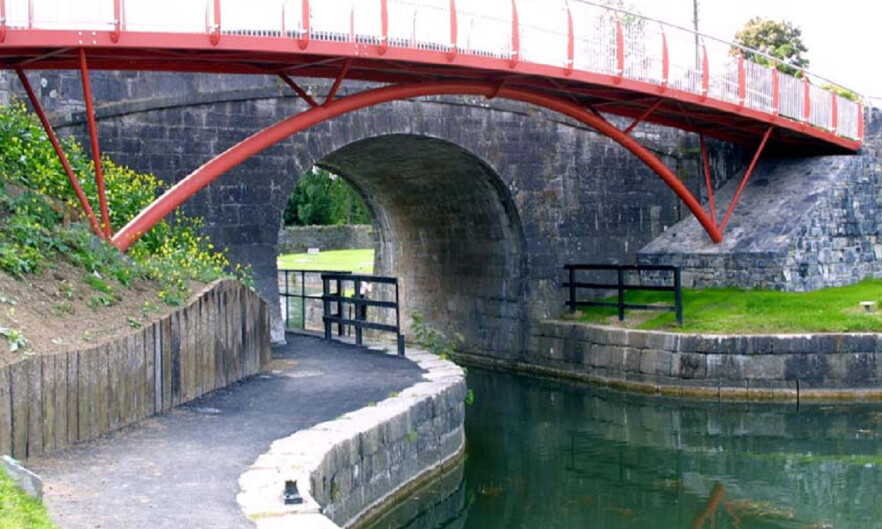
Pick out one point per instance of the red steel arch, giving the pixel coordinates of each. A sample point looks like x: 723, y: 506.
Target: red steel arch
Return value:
x: 273, y: 134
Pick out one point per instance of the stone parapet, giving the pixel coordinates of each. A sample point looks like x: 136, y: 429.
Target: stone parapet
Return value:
x: 348, y: 468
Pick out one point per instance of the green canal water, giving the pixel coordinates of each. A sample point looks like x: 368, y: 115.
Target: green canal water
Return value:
x: 551, y: 455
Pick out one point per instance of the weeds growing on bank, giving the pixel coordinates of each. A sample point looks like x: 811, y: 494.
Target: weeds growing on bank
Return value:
x: 41, y: 222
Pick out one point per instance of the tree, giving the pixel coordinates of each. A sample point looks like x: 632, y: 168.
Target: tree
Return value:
x: 781, y: 40
x: 323, y: 198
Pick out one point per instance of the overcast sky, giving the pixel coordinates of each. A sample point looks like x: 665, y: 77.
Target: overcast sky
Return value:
x: 843, y: 36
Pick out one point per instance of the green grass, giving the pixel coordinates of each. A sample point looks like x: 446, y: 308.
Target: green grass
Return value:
x: 756, y: 311
x: 18, y: 510
x: 355, y: 261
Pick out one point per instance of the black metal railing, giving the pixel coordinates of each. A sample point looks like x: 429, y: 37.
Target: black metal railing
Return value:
x: 621, y: 286
x: 298, y: 287
x: 360, y: 302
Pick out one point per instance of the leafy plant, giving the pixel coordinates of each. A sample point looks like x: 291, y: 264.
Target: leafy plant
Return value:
x: 435, y: 341
x: 323, y: 198
x: 779, y: 39
x: 15, y: 338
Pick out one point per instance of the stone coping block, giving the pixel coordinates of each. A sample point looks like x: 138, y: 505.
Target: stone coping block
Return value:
x: 351, y: 466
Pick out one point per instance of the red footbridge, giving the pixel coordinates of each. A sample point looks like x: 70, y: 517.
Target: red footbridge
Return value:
x: 578, y: 58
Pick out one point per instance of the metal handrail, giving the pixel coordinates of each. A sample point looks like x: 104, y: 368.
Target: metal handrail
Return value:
x: 302, y: 296
x: 360, y: 302
x: 492, y: 29
x: 707, y: 36
x: 621, y: 286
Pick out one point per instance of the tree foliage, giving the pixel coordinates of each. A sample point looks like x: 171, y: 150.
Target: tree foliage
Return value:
x: 323, y: 198
x: 779, y: 39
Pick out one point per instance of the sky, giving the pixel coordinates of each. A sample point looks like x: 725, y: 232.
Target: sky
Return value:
x: 842, y: 36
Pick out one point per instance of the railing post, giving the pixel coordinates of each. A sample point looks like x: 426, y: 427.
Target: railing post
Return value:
x: 326, y: 306
x: 117, y: 21
x: 384, y: 26
x: 30, y: 14
x: 214, y: 28
x: 451, y: 54
x: 398, y: 321
x: 515, y: 36
x: 358, y: 305
x: 620, y: 50
x: 572, y: 302
x: 571, y: 42
x: 287, y: 301
x: 834, y: 118
x: 621, y: 284
x: 666, y: 61
x: 305, y: 13
x: 860, y: 131
x: 776, y: 91
x: 705, y: 73
x: 807, y: 110
x: 678, y: 296
x: 303, y: 300
x: 340, y: 325
x: 2, y: 20
x: 742, y: 80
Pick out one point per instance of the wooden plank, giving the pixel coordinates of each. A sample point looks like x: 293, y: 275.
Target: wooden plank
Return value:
x: 203, y: 385
x: 115, y: 405
x: 167, y: 364
x: 35, y: 407
x: 5, y: 412
x: 103, y: 377
x: 141, y: 375
x: 188, y: 350
x: 48, y: 383
x: 176, y: 378
x: 220, y: 354
x: 208, y: 337
x: 73, y: 400
x: 149, y: 371
x: 155, y: 330
x: 60, y: 440
x: 18, y: 375
x: 84, y: 395
x: 94, y: 392
x: 131, y: 365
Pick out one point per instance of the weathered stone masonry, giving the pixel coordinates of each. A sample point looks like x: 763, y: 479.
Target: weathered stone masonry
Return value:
x: 477, y: 204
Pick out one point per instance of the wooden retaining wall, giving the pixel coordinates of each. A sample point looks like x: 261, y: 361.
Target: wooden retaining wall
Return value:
x: 50, y: 402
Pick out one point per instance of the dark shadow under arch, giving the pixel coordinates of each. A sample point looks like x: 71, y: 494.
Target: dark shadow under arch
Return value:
x: 446, y: 225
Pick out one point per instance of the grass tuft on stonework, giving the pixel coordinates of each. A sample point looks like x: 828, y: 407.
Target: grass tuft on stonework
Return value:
x: 18, y: 510
x: 735, y: 311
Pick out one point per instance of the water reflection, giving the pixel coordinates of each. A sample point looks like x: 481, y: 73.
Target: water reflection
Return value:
x: 548, y: 455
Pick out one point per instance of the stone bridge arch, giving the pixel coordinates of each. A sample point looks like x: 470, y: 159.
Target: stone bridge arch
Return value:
x: 575, y: 195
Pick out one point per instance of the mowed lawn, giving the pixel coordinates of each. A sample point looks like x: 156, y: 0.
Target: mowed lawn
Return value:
x: 756, y: 311
x: 355, y: 261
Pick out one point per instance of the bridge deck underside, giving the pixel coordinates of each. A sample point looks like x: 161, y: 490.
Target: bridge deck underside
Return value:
x: 45, y: 49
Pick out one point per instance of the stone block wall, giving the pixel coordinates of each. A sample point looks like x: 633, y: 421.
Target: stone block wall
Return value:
x: 752, y: 367
x: 477, y: 204
x: 348, y: 468
x: 50, y: 402
x: 299, y: 239
x: 801, y: 224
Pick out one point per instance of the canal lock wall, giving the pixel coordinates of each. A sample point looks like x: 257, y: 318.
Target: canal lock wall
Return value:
x: 727, y: 367
x: 348, y: 469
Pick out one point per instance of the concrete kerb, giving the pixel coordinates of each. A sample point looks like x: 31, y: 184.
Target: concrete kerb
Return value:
x: 336, y: 464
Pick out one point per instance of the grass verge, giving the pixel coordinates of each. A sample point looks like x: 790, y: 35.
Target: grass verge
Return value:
x: 755, y: 311
x: 355, y: 261
x: 18, y: 510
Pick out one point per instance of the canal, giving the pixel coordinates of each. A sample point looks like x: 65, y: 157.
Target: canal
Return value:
x: 548, y: 454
